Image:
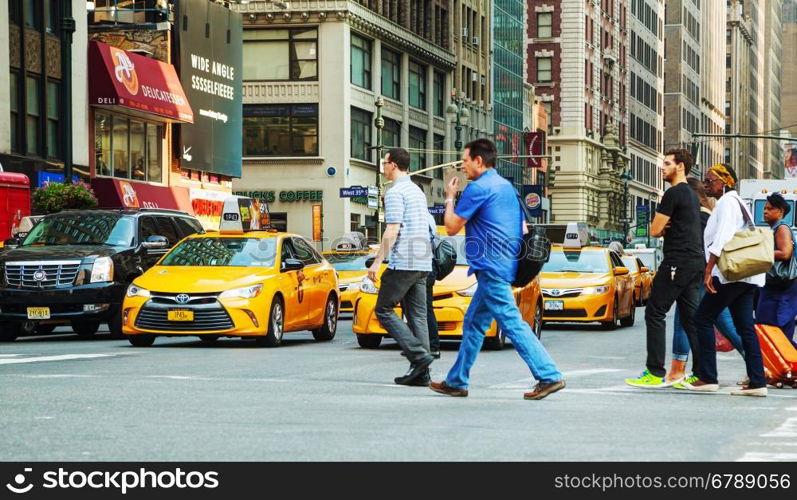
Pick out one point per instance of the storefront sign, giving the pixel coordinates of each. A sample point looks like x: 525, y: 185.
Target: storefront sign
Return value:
x: 316, y: 222
x: 284, y: 196
x: 209, y: 41
x: 46, y: 177
x: 535, y: 146
x: 532, y: 197
x: 136, y: 83
x: 119, y: 193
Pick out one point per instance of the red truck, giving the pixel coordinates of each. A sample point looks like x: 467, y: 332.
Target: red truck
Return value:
x: 14, y: 201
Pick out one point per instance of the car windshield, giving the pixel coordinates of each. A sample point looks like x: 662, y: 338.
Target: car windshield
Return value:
x: 347, y: 261
x: 83, y: 229
x: 629, y: 261
x: 221, y: 252
x: 576, y: 261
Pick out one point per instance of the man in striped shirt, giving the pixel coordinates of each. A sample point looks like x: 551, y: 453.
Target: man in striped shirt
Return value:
x: 407, y: 242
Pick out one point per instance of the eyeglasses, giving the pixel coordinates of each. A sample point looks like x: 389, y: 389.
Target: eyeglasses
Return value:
x: 709, y: 181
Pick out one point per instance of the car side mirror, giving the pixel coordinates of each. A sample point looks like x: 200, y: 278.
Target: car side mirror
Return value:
x: 644, y: 270
x: 156, y: 242
x: 620, y: 271
x: 292, y: 265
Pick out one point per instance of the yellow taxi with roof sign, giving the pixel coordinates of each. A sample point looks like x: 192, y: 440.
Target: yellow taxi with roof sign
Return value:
x: 348, y: 258
x: 452, y: 296
x: 583, y: 284
x: 243, y: 281
x: 643, y: 280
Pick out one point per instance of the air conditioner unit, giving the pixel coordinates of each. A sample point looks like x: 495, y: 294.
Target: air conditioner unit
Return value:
x: 474, y: 77
x: 475, y: 41
x: 556, y: 131
x: 465, y: 33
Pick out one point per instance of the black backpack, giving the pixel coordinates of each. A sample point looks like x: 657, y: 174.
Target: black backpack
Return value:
x: 444, y: 257
x: 535, y: 251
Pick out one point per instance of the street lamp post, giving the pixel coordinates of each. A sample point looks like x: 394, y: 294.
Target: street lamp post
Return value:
x: 459, y: 113
x: 626, y: 176
x: 650, y: 212
x: 379, y: 123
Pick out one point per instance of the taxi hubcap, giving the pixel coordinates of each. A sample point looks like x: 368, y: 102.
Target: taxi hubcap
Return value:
x: 331, y: 320
x: 276, y: 322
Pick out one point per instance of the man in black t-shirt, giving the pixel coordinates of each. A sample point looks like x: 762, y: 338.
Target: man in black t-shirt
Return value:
x: 680, y: 273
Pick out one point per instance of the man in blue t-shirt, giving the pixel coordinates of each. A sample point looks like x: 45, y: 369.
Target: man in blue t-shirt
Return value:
x: 490, y: 211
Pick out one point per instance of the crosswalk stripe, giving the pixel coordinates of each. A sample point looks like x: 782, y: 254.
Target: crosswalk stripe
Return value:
x: 61, y: 357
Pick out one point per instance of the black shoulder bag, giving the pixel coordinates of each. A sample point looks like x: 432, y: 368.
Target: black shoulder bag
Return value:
x: 535, y: 250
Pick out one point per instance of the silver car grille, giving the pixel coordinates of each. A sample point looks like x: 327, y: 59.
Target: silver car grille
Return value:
x: 41, y: 275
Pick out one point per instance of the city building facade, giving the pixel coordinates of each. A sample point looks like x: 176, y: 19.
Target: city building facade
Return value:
x: 578, y: 62
x: 646, y: 113
x: 313, y: 74
x: 772, y: 66
x: 710, y: 151
x: 788, y: 102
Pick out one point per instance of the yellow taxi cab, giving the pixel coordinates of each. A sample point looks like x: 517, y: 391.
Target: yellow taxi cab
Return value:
x: 583, y: 284
x: 348, y: 258
x: 643, y: 281
x: 452, y: 296
x: 239, y: 282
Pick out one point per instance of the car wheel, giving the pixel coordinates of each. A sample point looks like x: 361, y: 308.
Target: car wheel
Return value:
x: 10, y: 331
x: 208, y: 339
x: 496, y: 343
x: 537, y: 325
x: 629, y: 320
x: 328, y: 329
x: 141, y: 340
x: 369, y: 341
x: 85, y: 328
x: 115, y: 324
x: 45, y: 329
x: 276, y: 325
x: 612, y: 324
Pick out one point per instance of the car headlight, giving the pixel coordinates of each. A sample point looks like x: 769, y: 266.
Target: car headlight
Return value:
x: 468, y: 292
x: 368, y: 286
x: 137, y: 291
x: 102, y: 270
x: 595, y: 290
x: 247, y: 292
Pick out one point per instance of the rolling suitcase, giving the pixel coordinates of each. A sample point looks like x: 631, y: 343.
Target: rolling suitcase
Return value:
x: 780, y: 356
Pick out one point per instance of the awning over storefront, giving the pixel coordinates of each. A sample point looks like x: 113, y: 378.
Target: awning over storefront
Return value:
x: 121, y: 193
x: 138, y: 85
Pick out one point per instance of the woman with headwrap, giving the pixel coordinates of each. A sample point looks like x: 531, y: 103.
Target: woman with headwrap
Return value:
x: 777, y: 303
x: 728, y: 217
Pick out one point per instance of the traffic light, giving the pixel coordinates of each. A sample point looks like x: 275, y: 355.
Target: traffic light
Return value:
x: 551, y: 176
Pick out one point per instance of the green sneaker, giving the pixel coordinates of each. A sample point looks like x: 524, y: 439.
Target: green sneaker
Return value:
x: 647, y: 381
x: 680, y: 385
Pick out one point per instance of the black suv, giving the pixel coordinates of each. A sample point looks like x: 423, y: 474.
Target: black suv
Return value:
x: 76, y: 266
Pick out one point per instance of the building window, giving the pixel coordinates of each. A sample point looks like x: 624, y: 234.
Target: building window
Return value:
x: 127, y: 148
x: 14, y: 107
x: 439, y: 93
x: 544, y: 24
x: 361, y: 62
x: 439, y: 155
x: 543, y: 69
x: 417, y: 149
x: 33, y: 112
x: 391, y: 74
x: 274, y: 54
x: 360, y: 134
x: 417, y: 85
x: 355, y: 223
x: 391, y: 134
x: 53, y: 119
x: 280, y: 130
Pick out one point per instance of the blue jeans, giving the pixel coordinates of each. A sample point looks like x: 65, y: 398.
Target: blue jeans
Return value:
x: 494, y: 299
x: 738, y: 297
x: 724, y: 323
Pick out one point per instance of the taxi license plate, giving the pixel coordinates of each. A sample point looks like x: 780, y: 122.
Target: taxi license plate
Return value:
x: 180, y: 315
x: 38, y: 313
x: 554, y: 305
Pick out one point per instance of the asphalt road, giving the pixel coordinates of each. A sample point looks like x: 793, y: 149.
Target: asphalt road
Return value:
x: 62, y: 398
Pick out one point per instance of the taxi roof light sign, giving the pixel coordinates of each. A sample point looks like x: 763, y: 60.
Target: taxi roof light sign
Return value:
x: 240, y: 214
x: 576, y: 235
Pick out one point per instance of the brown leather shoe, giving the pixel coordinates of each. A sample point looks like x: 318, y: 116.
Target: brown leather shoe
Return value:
x: 541, y: 390
x: 446, y: 389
